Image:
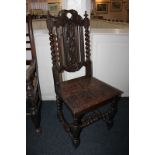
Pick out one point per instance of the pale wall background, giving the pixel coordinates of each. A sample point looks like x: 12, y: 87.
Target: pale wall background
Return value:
x: 110, y: 55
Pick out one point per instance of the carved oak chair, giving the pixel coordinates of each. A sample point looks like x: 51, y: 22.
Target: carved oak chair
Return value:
x: 70, y: 47
x: 33, y: 94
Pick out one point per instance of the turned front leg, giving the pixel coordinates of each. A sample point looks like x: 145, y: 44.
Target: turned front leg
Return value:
x: 76, y: 130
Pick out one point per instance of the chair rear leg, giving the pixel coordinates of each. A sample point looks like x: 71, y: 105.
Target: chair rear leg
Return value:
x: 111, y: 113
x: 36, y: 118
x: 36, y: 121
x: 35, y: 110
x: 59, y: 109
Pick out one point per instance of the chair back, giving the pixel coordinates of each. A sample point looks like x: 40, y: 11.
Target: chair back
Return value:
x: 30, y: 44
x: 70, y: 43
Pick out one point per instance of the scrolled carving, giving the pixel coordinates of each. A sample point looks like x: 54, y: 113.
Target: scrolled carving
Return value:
x: 67, y: 40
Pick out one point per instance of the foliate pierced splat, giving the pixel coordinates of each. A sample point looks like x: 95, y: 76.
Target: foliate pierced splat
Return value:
x: 68, y: 45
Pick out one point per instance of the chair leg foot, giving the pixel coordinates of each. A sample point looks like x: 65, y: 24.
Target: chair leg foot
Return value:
x: 109, y: 124
x: 76, y: 142
x: 38, y: 131
x: 36, y: 121
x: 75, y: 131
x: 35, y: 118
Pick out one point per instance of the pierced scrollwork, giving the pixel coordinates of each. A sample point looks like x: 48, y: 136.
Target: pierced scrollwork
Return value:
x: 67, y: 40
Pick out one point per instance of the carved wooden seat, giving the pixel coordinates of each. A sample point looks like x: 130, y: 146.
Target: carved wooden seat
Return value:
x: 70, y: 46
x: 84, y: 93
x: 33, y: 94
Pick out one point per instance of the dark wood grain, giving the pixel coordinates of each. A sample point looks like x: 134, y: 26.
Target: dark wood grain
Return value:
x: 83, y: 94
